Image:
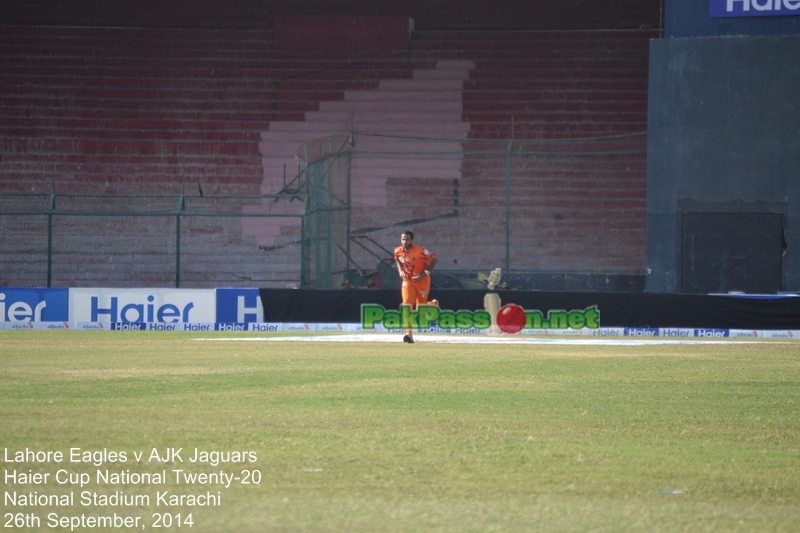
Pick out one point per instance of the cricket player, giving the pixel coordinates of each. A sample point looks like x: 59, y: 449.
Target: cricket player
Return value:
x: 414, y: 264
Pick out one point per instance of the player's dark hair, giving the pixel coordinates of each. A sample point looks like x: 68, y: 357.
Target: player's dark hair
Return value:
x: 409, y: 233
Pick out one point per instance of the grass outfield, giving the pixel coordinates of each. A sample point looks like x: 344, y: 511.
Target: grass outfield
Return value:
x: 361, y: 437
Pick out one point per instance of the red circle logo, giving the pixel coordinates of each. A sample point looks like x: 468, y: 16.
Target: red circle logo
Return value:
x: 511, y: 318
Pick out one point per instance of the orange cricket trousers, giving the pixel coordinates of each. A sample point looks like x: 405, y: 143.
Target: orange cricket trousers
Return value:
x: 416, y: 293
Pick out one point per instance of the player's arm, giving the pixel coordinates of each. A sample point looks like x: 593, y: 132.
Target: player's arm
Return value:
x: 428, y: 269
x: 400, y: 270
x: 432, y: 265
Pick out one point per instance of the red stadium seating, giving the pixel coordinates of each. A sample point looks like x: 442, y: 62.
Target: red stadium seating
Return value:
x: 150, y: 110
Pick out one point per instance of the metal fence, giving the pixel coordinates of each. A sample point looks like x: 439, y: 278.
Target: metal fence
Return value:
x: 554, y: 215
x: 79, y: 240
x: 561, y: 215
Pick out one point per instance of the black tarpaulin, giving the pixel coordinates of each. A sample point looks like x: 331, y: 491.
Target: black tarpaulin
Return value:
x: 616, y: 309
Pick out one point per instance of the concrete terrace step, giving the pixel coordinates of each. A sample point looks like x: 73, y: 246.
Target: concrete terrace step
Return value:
x: 553, y: 187
x: 271, y: 62
x: 33, y: 61
x: 181, y: 130
x: 621, y: 106
x: 496, y: 98
x: 497, y: 130
x: 546, y: 51
x: 554, y: 84
x: 556, y: 114
x: 156, y: 39
x: 391, y: 96
x: 128, y: 180
x: 299, y: 132
x: 566, y: 177
x: 243, y: 92
x: 205, y: 109
x: 370, y: 119
x: 523, y: 39
x: 561, y: 69
x: 439, y: 15
x: 199, y: 70
x: 69, y: 145
x: 405, y: 101
x: 437, y: 104
x: 158, y: 162
x: 558, y: 74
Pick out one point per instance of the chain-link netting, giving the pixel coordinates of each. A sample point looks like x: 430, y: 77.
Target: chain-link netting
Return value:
x: 138, y: 241
x: 554, y: 215
x: 566, y: 214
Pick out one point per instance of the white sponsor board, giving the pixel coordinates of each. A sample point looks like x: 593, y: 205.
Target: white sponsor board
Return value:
x: 161, y: 306
x: 782, y: 334
x: 37, y: 326
x: 292, y: 326
x: 278, y: 327
x: 747, y: 334
x: 676, y: 332
x: 92, y: 326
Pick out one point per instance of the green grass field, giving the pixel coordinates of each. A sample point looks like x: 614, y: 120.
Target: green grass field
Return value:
x: 362, y: 437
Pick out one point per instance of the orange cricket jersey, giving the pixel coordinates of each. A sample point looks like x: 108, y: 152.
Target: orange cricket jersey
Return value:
x: 415, y: 261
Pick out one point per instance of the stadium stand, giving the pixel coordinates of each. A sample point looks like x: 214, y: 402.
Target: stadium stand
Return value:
x: 137, y: 101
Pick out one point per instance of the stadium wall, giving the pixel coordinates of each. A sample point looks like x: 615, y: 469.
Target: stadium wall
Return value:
x: 722, y: 130
x: 722, y: 140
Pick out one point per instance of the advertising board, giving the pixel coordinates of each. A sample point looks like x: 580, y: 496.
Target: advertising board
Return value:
x: 138, y: 306
x: 753, y: 8
x: 22, y: 306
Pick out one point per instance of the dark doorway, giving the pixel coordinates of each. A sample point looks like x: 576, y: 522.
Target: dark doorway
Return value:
x: 724, y: 252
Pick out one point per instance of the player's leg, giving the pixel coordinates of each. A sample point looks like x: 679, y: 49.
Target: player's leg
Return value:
x: 423, y: 291
x: 419, y: 296
x: 409, y: 293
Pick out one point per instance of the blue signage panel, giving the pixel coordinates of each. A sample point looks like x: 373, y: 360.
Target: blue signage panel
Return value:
x: 239, y: 306
x: 34, y: 305
x: 754, y: 8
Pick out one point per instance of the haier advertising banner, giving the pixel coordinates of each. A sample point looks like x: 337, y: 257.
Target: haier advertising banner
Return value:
x: 239, y: 306
x: 753, y: 8
x: 142, y: 306
x: 26, y: 306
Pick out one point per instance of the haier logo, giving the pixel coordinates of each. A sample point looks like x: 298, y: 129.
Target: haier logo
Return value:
x: 711, y: 333
x: 162, y: 327
x: 641, y: 332
x: 263, y: 327
x: 676, y: 332
x: 239, y: 306
x: 607, y: 332
x: 753, y: 8
x: 139, y: 312
x: 198, y: 327
x: 138, y: 306
x: 21, y: 311
x: 34, y: 305
x: 230, y: 327
x: 120, y: 326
